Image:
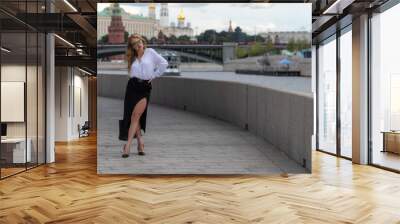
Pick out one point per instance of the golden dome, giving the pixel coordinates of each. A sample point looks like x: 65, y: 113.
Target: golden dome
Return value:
x: 181, y: 16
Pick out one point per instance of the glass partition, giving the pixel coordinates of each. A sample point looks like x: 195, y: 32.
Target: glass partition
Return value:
x: 14, y: 154
x: 346, y: 93
x: 22, y: 89
x: 327, y: 96
x: 385, y: 89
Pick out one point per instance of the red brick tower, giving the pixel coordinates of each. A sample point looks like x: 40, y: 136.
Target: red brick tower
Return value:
x: 116, y: 30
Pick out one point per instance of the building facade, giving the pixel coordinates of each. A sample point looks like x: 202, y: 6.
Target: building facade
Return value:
x: 148, y: 26
x: 145, y: 26
x: 285, y: 36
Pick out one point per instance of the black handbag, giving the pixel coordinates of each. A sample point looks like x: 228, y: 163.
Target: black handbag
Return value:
x: 123, y: 131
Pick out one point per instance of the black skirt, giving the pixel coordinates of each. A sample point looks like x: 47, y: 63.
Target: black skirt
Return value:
x: 136, y: 89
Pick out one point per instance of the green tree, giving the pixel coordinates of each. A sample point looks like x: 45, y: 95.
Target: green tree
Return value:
x: 303, y: 44
x: 126, y: 36
x: 241, y: 52
x: 257, y: 49
x: 104, y: 39
x: 291, y: 46
x: 184, y: 39
x: 238, y: 35
x: 172, y: 39
x: 153, y: 40
x: 208, y: 36
x: 269, y: 45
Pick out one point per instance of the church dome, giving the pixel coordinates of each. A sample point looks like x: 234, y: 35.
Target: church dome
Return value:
x: 181, y: 16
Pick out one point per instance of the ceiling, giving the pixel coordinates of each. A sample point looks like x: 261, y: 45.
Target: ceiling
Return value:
x: 74, y: 22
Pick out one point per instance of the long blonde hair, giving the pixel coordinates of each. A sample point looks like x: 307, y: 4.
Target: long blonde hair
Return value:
x: 131, y: 53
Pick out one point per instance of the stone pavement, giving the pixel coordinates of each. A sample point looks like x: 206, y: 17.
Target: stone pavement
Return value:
x: 180, y: 142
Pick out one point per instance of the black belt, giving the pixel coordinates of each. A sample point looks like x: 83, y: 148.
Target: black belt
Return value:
x: 139, y: 80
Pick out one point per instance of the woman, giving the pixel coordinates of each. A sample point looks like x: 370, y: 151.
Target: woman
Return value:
x: 144, y: 64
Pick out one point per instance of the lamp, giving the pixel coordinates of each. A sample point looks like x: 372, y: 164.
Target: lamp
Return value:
x: 70, y: 5
x: 86, y: 72
x: 65, y: 41
x: 5, y: 50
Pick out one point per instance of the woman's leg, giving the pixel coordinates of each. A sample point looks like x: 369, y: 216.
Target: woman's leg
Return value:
x: 139, y: 135
x: 137, y: 112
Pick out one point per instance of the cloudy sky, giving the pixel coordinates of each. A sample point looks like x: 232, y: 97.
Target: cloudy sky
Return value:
x: 251, y: 17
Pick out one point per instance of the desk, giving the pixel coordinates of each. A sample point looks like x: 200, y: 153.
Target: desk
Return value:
x: 16, y: 146
x: 391, y: 141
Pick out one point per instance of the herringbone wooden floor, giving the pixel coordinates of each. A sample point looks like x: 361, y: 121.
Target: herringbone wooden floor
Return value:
x: 70, y: 191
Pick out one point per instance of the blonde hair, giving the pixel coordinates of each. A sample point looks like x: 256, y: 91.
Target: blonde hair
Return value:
x: 131, y: 53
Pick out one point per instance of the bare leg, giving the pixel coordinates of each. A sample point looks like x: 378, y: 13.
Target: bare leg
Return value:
x: 140, y: 143
x: 137, y: 112
x: 139, y: 135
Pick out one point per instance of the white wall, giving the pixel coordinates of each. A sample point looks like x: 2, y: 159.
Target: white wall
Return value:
x: 69, y: 82
x: 16, y: 72
x: 61, y: 103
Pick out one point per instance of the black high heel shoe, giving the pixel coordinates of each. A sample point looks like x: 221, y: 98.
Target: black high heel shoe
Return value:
x: 140, y: 152
x: 124, y: 155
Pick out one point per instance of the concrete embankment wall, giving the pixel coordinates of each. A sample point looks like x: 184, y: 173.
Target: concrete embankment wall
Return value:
x: 285, y: 119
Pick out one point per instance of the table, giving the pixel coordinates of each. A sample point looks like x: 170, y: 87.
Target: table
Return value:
x: 17, y: 147
x: 391, y: 141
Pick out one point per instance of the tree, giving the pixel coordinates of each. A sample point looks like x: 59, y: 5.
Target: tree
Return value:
x: 238, y: 29
x: 153, y: 40
x: 269, y: 45
x: 241, y: 52
x: 184, y: 39
x: 291, y: 46
x: 256, y: 49
x: 238, y: 35
x: 126, y: 36
x: 161, y: 37
x: 172, y: 39
x: 208, y: 36
x: 104, y: 39
x: 303, y: 44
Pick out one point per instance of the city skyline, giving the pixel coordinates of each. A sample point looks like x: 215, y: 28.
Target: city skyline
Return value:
x: 278, y: 17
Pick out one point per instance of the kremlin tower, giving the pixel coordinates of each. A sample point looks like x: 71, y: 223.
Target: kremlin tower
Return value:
x: 116, y: 30
x: 230, y: 30
x: 164, y: 17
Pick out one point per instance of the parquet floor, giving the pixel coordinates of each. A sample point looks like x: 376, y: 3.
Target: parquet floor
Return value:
x: 70, y: 191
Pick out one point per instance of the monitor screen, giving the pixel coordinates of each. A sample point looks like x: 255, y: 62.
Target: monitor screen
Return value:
x: 3, y: 129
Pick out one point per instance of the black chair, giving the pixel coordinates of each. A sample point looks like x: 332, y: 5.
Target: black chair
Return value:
x: 84, y: 130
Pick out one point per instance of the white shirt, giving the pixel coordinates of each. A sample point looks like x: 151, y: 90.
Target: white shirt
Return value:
x: 149, y: 66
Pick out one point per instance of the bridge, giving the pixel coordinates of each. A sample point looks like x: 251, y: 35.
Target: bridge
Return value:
x: 195, y: 52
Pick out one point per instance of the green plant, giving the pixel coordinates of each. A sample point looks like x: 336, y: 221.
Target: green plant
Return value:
x: 241, y: 52
x: 257, y: 49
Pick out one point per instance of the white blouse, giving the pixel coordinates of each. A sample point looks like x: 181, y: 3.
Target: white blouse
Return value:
x: 149, y: 66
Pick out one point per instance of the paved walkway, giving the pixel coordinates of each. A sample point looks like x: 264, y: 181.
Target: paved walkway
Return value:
x: 180, y: 142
